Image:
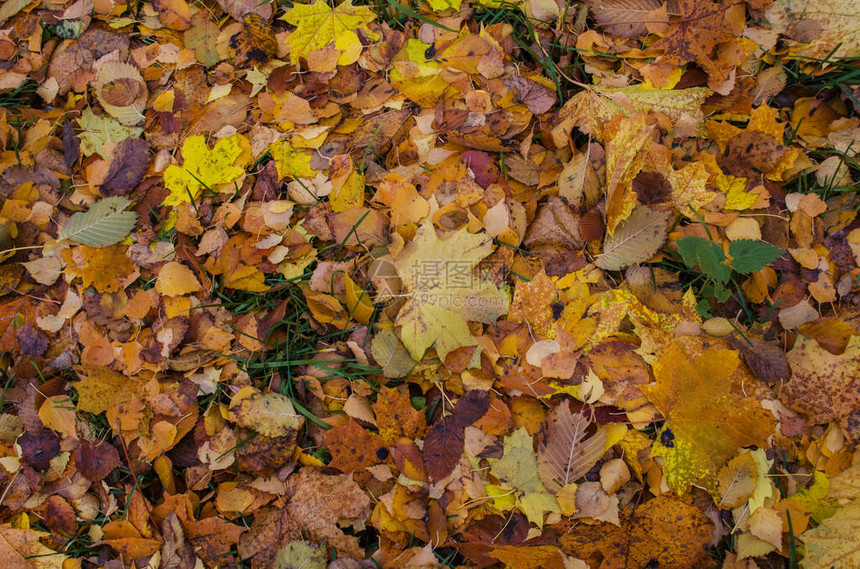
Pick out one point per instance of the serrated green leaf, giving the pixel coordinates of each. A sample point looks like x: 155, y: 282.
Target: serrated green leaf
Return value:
x: 749, y: 256
x: 705, y: 254
x: 105, y: 223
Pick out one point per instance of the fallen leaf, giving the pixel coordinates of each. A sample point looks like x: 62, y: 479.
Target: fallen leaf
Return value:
x: 324, y: 500
x: 130, y: 162
x: 823, y: 386
x: 636, y: 239
x: 270, y: 414
x: 706, y: 421
x: 737, y: 481
x: 518, y: 470
x: 665, y: 530
x: 319, y: 25
x: 105, y: 223
x: 625, y: 156
x: 443, y: 292
x: 175, y: 279
x: 565, y: 455
x: 833, y: 543
x: 204, y: 168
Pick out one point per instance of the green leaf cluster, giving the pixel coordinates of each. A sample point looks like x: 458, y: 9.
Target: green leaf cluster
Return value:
x: 745, y: 256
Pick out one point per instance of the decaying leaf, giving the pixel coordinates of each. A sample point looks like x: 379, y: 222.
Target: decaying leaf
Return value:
x: 256, y: 281
x: 823, y: 386
x: 270, y: 414
x: 706, y: 421
x: 665, y: 530
x: 625, y: 155
x: 833, y: 543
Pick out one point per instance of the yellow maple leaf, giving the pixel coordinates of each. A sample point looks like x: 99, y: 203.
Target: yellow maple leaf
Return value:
x: 416, y: 76
x: 443, y: 292
x: 318, y: 25
x: 204, y: 168
x: 689, y: 188
x: 706, y: 422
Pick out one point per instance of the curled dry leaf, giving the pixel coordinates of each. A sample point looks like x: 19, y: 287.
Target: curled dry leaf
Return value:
x: 122, y: 92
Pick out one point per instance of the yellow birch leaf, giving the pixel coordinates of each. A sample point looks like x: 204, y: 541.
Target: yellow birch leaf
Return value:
x: 766, y: 524
x: 270, y: 414
x: 737, y: 481
x: 175, y: 279
x: 500, y: 498
x: 246, y: 278
x: 318, y: 25
x: 814, y: 499
x: 58, y: 414
x: 351, y: 194
x: 358, y: 302
x: 441, y: 5
x: 175, y: 14
x: 764, y: 486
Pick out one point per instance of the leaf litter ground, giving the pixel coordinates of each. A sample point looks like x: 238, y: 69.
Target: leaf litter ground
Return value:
x: 456, y: 283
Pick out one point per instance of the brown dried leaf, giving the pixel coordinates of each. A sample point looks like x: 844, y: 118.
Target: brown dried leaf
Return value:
x: 636, y: 240
x: 564, y: 455
x: 321, y: 500
x: 130, y: 162
x: 823, y: 386
x: 664, y: 530
x: 624, y: 18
